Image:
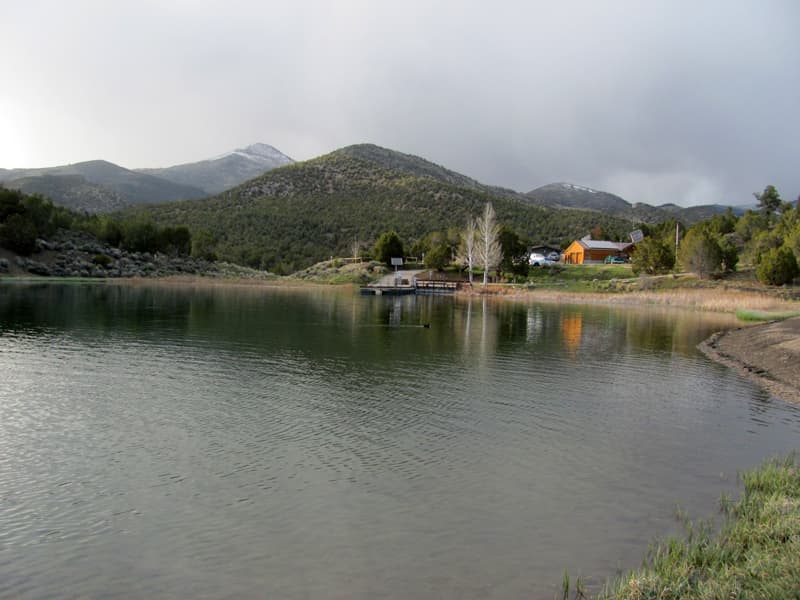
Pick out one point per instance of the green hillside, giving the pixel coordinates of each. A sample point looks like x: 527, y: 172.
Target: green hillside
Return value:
x: 297, y: 215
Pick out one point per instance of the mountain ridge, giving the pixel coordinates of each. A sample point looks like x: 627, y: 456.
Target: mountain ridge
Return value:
x: 222, y: 172
x: 132, y: 187
x: 243, y: 166
x: 570, y: 195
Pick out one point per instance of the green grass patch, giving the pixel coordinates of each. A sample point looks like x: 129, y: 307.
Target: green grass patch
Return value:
x: 765, y: 315
x: 582, y: 278
x: 755, y: 554
x: 581, y: 272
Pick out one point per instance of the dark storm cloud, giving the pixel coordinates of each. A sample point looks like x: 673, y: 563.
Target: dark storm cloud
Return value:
x: 657, y: 101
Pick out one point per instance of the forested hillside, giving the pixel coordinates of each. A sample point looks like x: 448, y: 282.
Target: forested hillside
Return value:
x: 296, y: 215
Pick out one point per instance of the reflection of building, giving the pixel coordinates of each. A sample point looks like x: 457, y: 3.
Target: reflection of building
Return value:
x: 587, y: 251
x: 571, y: 329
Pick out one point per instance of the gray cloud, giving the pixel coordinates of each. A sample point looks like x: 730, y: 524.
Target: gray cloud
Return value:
x: 674, y: 101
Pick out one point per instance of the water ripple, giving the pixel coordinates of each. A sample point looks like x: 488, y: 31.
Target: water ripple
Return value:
x: 194, y: 445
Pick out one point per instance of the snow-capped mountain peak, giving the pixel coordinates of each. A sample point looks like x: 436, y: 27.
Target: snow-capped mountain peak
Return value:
x: 260, y: 153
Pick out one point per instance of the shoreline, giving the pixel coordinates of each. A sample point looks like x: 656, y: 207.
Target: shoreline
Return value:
x: 713, y: 299
x: 767, y: 354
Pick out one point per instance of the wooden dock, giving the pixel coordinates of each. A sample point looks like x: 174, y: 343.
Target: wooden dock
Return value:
x: 419, y: 286
x: 433, y: 286
x: 388, y: 290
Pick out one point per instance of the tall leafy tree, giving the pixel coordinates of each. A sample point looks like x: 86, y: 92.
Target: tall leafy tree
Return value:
x: 515, y: 252
x: 388, y: 246
x: 654, y: 255
x: 700, y: 253
x: 769, y: 201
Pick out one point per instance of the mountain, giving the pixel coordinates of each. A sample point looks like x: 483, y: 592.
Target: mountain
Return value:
x: 132, y: 187
x: 224, y: 172
x: 296, y: 215
x: 72, y: 191
x: 569, y: 195
x: 693, y: 214
x: 420, y: 167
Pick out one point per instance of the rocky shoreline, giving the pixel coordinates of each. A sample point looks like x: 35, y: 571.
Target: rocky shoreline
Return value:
x: 768, y: 354
x: 80, y: 255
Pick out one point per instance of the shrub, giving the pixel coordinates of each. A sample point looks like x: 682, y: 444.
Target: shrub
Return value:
x: 18, y: 234
x: 203, y: 243
x: 175, y: 240
x: 101, y: 260
x: 653, y: 256
x: 140, y: 236
x: 777, y: 266
x: 700, y: 253
x: 437, y: 257
x: 387, y: 247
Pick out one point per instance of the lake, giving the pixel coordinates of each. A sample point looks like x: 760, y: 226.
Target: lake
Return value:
x: 220, y: 442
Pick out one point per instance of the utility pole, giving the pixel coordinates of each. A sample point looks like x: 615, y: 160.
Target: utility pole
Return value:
x: 677, y: 238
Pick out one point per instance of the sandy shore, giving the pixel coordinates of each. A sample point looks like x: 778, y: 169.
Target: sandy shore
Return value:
x: 768, y: 354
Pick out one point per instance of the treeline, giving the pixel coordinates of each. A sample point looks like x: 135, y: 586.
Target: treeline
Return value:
x: 767, y: 239
x: 25, y: 218
x: 441, y: 249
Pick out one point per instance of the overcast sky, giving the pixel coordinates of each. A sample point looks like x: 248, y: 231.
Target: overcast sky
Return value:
x: 676, y: 101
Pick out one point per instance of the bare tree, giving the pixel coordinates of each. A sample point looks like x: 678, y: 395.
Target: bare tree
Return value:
x: 489, y: 251
x: 356, y: 248
x: 468, y: 250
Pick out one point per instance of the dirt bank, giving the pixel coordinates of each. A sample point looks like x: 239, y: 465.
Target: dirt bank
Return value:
x: 768, y: 354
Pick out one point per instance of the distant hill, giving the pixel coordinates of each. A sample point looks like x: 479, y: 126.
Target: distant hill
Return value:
x: 224, y: 172
x: 693, y: 214
x: 420, y: 167
x: 297, y: 215
x: 71, y: 191
x: 130, y: 186
x: 569, y: 195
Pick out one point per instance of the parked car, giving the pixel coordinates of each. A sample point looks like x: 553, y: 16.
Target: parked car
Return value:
x: 554, y: 256
x: 615, y: 260
x: 539, y: 260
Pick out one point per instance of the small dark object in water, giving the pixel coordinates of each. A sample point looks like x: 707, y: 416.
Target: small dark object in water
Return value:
x: 426, y: 325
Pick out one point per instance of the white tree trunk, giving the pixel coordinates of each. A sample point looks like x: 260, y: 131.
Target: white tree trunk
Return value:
x: 468, y: 249
x: 489, y: 251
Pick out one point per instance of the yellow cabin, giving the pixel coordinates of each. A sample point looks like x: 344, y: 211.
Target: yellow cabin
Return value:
x: 587, y: 251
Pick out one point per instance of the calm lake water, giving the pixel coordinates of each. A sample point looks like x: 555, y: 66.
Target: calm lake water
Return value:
x: 314, y: 444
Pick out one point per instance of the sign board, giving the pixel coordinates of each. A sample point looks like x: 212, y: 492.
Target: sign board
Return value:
x: 636, y: 236
x: 397, y: 262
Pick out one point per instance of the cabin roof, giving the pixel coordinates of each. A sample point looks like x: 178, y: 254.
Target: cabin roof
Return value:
x: 590, y: 244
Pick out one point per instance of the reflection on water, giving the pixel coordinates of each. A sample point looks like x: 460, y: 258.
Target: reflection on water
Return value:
x: 223, y: 442
x: 571, y: 329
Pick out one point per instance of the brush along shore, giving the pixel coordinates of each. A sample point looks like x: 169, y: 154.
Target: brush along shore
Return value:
x: 755, y: 554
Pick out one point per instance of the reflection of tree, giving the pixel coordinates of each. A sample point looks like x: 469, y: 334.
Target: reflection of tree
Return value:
x: 488, y: 339
x: 534, y: 323
x: 467, y: 327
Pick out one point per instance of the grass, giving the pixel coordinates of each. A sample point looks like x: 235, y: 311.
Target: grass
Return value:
x: 580, y: 278
x: 756, y: 553
x: 616, y: 284
x: 336, y: 272
x: 765, y: 315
